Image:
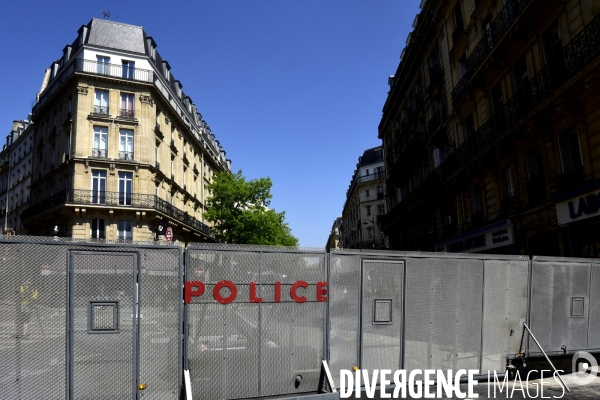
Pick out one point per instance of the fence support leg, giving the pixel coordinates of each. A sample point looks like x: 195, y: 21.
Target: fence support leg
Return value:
x: 325, y: 374
x: 547, y: 359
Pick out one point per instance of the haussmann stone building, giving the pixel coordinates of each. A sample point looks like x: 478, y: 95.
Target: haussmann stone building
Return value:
x: 491, y: 129
x: 120, y: 149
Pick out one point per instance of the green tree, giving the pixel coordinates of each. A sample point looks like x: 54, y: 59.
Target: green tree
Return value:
x: 239, y: 211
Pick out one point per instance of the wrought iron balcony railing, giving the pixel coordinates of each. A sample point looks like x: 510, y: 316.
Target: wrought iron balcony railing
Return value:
x: 491, y: 37
x: 102, y: 153
x: 103, y: 110
x: 125, y: 155
x: 461, y: 90
x: 96, y: 68
x: 134, y: 200
x: 126, y: 113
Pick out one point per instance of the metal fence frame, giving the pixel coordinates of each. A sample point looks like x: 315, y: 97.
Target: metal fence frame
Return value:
x: 71, y: 246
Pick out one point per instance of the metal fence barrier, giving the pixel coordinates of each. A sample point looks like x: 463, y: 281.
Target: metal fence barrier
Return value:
x: 249, y: 349
x: 101, y: 320
x: 116, y: 307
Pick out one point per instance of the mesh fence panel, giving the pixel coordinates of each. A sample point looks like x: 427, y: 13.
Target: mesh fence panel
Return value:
x: 160, y: 299
x: 103, y: 356
x: 223, y: 340
x: 443, y: 313
x: 504, y: 311
x: 32, y: 321
x: 381, y: 315
x: 264, y: 346
x: 344, y: 306
x: 554, y: 287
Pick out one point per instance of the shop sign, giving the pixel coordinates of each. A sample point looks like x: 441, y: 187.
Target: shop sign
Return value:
x: 578, y: 208
x: 495, y: 236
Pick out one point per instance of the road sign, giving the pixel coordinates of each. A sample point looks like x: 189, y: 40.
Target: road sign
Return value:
x: 169, y: 234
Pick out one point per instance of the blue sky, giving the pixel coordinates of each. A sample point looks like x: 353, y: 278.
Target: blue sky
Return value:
x: 292, y: 89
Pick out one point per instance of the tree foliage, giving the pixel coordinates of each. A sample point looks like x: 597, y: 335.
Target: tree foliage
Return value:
x: 239, y: 211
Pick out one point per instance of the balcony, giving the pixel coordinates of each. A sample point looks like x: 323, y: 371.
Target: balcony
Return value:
x: 371, y: 177
x: 100, y: 110
x: 126, y: 155
x: 100, y: 153
x: 504, y: 19
x: 126, y: 113
x: 130, y: 200
x: 94, y: 68
x: 461, y: 90
x: 158, y: 132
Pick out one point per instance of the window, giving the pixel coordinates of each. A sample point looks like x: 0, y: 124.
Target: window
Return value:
x: 570, y: 152
x: 127, y: 105
x: 469, y: 126
x: 101, y: 102
x: 125, y: 188
x: 380, y: 209
x: 497, y: 100
x: 97, y: 230
x: 100, y: 141
x: 510, y: 186
x: 379, y: 172
x: 124, y: 230
x: 477, y: 200
x: 462, y: 66
x: 368, y: 210
x: 367, y: 193
x: 458, y: 19
x: 439, y: 155
x: 552, y: 46
x: 98, y: 186
x: 128, y: 69
x: 126, y: 144
x: 367, y: 172
x: 103, y: 65
x: 521, y: 74
x: 380, y: 192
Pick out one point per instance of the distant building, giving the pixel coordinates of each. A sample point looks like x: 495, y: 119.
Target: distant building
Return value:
x: 365, y: 203
x: 335, y: 236
x: 120, y: 149
x: 15, y: 176
x: 491, y: 129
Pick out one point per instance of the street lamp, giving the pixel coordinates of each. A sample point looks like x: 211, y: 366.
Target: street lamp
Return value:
x: 367, y: 223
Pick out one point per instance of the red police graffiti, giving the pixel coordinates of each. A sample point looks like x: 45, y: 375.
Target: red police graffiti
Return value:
x: 196, y: 289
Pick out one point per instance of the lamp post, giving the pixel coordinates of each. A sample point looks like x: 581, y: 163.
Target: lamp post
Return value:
x: 367, y: 223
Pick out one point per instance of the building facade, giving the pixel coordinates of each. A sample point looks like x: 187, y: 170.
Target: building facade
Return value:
x: 491, y: 129
x: 15, y: 176
x: 334, y: 241
x: 365, y: 203
x: 119, y: 148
